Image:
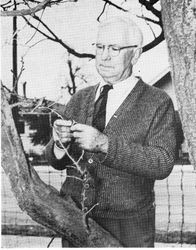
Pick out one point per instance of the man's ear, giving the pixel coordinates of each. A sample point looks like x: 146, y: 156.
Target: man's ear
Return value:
x: 136, y: 55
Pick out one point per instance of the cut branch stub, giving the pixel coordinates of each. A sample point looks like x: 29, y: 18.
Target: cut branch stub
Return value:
x: 41, y: 201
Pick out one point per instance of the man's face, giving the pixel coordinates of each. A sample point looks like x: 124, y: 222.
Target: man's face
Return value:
x: 114, y: 69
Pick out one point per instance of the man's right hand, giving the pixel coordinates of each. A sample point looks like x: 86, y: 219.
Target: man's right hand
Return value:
x: 61, y: 132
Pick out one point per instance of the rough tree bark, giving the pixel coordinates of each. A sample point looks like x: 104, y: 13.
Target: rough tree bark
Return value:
x: 40, y: 201
x: 179, y: 22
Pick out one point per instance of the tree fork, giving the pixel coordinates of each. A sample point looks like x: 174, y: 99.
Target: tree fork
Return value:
x: 40, y: 201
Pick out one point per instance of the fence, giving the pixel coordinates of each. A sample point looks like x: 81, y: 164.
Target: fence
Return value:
x: 175, y: 207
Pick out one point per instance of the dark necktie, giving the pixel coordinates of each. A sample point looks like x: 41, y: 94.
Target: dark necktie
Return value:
x: 100, y: 109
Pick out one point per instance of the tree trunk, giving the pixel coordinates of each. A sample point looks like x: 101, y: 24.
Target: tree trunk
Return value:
x: 40, y: 201
x: 179, y: 22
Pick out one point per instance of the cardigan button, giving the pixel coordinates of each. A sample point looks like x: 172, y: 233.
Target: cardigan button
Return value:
x: 90, y: 161
x: 86, y: 186
x: 85, y: 209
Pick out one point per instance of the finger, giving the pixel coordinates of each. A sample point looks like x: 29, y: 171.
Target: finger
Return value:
x: 65, y: 140
x: 64, y: 135
x: 77, y: 134
x: 78, y: 141
x: 63, y: 123
x: 79, y: 127
x: 62, y: 129
x: 55, y: 134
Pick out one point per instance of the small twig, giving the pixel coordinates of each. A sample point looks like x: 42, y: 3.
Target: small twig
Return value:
x: 16, y: 104
x: 149, y: 19
x: 115, y: 5
x: 24, y: 12
x: 74, y: 177
x: 147, y: 23
x: 35, y: 30
x: 40, y: 102
x: 76, y: 163
x: 41, y: 32
x: 50, y: 242
x: 104, y: 7
x: 91, y: 209
x: 81, y: 157
x: 52, y: 110
x: 16, y: 78
x: 4, y: 4
x: 150, y: 7
x: 57, y: 39
x: 71, y: 158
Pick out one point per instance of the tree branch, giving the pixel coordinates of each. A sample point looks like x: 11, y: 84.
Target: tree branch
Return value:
x: 115, y: 5
x: 55, y: 38
x: 36, y: 30
x: 153, y: 1
x: 25, y: 12
x: 30, y: 11
x: 41, y: 32
x: 150, y: 7
x: 149, y: 19
x: 104, y: 7
x: 155, y: 42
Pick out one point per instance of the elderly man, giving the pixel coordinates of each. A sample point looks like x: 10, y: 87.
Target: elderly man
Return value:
x: 125, y: 130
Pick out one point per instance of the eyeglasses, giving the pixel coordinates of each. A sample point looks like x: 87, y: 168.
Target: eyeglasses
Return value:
x: 113, y: 50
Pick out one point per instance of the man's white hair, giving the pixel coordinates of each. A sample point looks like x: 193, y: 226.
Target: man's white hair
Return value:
x: 134, y: 33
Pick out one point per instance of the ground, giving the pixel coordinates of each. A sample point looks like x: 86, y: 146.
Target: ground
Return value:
x: 11, y: 241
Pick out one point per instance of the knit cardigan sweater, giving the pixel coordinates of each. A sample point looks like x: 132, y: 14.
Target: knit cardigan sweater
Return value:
x: 142, y: 145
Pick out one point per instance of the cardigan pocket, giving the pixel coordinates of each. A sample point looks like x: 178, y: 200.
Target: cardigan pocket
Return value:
x: 118, y: 193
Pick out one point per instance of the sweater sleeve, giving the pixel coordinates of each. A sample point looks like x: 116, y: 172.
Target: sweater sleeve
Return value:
x: 155, y: 158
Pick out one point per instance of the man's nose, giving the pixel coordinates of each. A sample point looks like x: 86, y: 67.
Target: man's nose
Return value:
x: 106, y: 54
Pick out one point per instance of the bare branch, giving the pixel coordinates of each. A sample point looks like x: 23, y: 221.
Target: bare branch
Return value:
x: 72, y: 89
x: 4, y: 4
x: 31, y: 46
x: 104, y: 7
x: 41, y: 32
x: 153, y: 1
x: 35, y: 30
x: 150, y: 7
x: 149, y: 19
x: 55, y: 38
x: 147, y: 23
x: 16, y: 78
x: 25, y: 12
x: 30, y: 11
x: 155, y: 42
x: 115, y: 5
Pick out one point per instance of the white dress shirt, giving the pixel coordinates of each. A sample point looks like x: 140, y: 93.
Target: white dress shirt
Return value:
x: 117, y: 95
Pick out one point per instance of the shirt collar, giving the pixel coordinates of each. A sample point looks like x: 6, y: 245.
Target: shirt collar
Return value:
x: 123, y: 86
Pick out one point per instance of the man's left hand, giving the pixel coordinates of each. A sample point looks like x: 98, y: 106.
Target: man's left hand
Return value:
x: 89, y: 138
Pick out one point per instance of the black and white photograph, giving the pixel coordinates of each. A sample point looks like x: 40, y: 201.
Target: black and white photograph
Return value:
x: 98, y: 123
